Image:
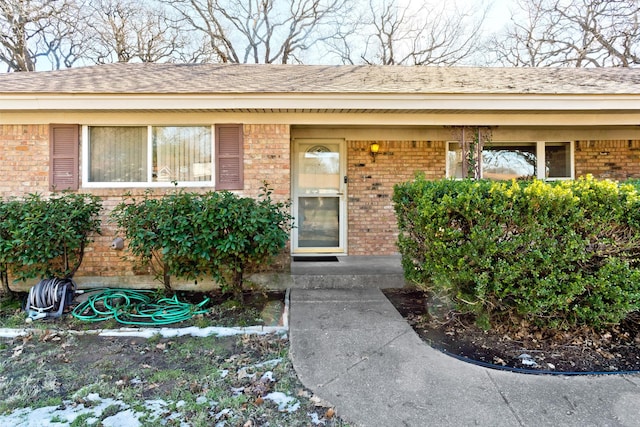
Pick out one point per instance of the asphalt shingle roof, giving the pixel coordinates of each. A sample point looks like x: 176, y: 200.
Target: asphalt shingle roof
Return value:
x: 316, y: 79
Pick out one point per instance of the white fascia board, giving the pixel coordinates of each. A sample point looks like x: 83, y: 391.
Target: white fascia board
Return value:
x: 323, y: 102
x: 368, y: 119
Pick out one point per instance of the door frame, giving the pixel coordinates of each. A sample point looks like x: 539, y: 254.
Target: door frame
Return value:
x: 341, y: 249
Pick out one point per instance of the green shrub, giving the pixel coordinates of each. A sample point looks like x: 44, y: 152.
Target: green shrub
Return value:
x: 560, y: 254
x: 8, y: 210
x: 217, y: 234
x: 243, y: 233
x: 161, y: 233
x: 46, y: 237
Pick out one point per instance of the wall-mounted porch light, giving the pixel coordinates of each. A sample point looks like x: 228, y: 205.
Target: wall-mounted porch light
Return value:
x: 373, y: 150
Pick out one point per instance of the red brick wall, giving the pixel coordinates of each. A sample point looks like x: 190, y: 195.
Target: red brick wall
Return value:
x: 24, y: 165
x: 24, y: 159
x: 614, y: 159
x: 372, y: 222
x: 267, y: 154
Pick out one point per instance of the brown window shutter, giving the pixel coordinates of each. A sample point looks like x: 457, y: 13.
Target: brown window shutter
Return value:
x: 64, y: 157
x: 229, y: 158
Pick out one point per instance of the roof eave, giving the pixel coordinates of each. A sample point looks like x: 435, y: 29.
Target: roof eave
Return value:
x: 320, y: 102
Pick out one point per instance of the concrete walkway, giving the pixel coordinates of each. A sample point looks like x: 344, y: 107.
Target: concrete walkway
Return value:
x: 353, y: 349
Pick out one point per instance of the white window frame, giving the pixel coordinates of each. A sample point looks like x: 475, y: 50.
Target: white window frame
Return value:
x: 540, y: 157
x: 149, y: 183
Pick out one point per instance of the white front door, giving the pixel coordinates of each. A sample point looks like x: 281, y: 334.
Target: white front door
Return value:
x: 319, y: 196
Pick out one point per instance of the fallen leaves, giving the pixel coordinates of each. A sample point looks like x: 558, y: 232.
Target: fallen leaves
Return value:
x: 49, y: 335
x: 499, y: 361
x: 17, y: 351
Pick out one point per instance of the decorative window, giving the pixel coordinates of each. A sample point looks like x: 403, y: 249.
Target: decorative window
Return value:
x: 511, y: 161
x: 156, y: 156
x: 521, y: 160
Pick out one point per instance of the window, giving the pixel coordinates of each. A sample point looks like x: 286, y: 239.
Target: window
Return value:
x: 522, y: 160
x: 182, y: 154
x: 509, y: 161
x: 557, y: 157
x: 155, y: 156
x: 117, y: 154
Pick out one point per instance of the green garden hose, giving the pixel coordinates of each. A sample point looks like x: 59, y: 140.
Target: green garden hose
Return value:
x: 135, y: 307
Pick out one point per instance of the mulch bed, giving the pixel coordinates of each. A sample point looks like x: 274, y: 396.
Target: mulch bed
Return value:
x: 521, y: 346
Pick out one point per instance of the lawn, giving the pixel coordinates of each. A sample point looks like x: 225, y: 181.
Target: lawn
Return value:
x: 61, y: 376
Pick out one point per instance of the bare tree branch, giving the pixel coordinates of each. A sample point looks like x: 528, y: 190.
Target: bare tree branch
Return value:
x: 580, y: 33
x: 26, y: 26
x: 127, y: 30
x: 67, y: 41
x: 433, y: 34
x: 259, y: 31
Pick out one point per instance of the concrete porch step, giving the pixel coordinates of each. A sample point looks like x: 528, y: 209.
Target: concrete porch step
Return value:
x: 349, y: 272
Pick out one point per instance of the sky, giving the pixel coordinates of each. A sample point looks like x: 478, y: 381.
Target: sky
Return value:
x: 498, y: 15
x: 499, y: 10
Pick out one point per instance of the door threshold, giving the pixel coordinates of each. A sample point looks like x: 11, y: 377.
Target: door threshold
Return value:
x: 316, y: 258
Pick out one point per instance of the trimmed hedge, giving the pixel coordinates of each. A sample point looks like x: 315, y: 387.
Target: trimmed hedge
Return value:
x: 558, y: 254
x: 191, y: 235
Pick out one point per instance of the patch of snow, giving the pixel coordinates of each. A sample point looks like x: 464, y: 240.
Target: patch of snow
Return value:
x: 527, y: 360
x: 315, y: 419
x: 269, y: 363
x: 201, y: 400
x: 247, y: 371
x: 223, y: 413
x: 156, y: 406
x: 41, y: 417
x: 237, y: 391
x: 94, y: 397
x: 65, y: 414
x: 268, y: 376
x: 127, y: 418
x: 285, y: 403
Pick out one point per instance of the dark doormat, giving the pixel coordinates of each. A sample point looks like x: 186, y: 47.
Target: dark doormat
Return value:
x: 329, y: 258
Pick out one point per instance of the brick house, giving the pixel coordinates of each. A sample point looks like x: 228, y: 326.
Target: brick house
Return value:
x: 309, y: 131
